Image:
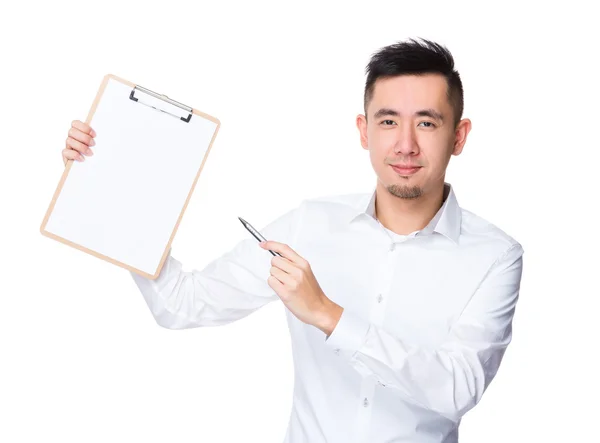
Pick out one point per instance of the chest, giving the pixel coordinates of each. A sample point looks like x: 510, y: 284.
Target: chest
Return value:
x: 415, y: 290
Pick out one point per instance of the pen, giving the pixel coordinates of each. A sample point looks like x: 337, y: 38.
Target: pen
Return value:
x: 256, y: 234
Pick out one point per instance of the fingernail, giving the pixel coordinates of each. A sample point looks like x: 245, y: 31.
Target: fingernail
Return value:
x: 81, y: 158
x: 89, y: 152
x: 93, y: 133
x: 93, y: 142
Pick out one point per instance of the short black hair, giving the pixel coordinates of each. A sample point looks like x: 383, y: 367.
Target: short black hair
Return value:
x: 412, y: 57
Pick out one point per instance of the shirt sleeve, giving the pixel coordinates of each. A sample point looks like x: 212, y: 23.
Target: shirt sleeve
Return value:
x: 452, y: 378
x: 227, y: 289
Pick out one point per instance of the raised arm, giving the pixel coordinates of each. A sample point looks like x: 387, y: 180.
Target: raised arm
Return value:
x: 227, y: 289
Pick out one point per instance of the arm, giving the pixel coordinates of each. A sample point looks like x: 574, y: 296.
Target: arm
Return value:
x: 227, y: 289
x: 452, y: 378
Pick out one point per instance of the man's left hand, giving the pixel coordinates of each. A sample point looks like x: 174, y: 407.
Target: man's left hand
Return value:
x: 295, y: 284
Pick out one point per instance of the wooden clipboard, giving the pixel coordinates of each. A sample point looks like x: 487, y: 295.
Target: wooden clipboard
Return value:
x: 125, y: 203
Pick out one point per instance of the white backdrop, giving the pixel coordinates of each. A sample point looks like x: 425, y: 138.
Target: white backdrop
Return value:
x: 81, y: 356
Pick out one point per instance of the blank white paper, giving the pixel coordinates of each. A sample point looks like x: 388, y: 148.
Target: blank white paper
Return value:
x: 124, y: 201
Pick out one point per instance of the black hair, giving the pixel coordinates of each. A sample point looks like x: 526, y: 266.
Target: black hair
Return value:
x: 416, y: 58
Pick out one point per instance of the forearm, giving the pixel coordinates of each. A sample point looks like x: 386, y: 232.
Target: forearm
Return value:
x: 449, y: 380
x: 452, y: 377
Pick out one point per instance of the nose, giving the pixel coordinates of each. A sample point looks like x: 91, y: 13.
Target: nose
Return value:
x: 406, y: 143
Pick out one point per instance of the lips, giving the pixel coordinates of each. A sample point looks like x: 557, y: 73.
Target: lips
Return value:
x: 405, y: 170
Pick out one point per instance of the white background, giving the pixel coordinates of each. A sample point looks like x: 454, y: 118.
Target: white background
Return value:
x: 81, y: 358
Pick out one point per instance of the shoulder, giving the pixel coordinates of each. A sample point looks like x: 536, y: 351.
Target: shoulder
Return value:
x: 476, y: 229
x: 334, y: 204
x: 337, y: 199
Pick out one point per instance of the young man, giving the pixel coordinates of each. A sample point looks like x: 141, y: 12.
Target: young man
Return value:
x: 399, y: 302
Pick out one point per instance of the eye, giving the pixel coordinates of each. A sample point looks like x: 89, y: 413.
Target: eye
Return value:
x: 387, y: 121
x: 429, y: 123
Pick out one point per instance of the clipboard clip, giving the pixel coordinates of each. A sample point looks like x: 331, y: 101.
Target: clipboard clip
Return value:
x: 164, y: 98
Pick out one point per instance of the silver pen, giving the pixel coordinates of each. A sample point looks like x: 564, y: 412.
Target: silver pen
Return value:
x: 256, y: 234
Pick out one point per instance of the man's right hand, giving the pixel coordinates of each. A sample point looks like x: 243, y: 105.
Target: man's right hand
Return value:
x: 81, y: 137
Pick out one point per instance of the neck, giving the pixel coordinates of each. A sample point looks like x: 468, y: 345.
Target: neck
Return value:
x: 405, y: 216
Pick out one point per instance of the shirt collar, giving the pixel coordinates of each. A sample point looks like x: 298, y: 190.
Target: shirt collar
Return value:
x: 446, y: 221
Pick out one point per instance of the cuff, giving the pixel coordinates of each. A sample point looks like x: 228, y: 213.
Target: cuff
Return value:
x: 349, y: 333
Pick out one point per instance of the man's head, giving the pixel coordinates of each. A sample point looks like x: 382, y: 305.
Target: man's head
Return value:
x: 413, y: 105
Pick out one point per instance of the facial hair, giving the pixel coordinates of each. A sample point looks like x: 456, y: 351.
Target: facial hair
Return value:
x: 405, y: 192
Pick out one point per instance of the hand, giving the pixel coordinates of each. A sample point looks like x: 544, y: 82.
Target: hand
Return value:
x: 81, y: 137
x: 295, y: 284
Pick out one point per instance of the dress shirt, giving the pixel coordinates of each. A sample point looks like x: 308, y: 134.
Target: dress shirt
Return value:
x: 427, y: 316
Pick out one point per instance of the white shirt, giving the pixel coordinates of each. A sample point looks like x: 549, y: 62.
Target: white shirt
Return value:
x: 427, y: 316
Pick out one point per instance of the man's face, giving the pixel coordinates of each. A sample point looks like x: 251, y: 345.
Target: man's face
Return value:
x: 411, y: 137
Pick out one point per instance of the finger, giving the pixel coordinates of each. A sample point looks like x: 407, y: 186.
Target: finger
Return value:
x: 283, y: 263
x: 275, y: 284
x: 83, y: 127
x: 284, y: 250
x: 81, y: 136
x: 70, y: 154
x: 78, y: 146
x: 283, y: 277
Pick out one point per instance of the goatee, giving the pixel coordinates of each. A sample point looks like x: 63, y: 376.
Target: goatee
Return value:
x: 405, y: 192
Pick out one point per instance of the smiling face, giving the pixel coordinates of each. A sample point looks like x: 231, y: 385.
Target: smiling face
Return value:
x: 411, y: 123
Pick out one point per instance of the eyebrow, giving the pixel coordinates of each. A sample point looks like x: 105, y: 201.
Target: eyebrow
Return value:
x: 432, y: 113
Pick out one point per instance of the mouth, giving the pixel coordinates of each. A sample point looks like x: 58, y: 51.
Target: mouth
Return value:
x: 405, y: 171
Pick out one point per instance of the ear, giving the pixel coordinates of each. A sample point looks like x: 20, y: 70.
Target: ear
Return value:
x: 460, y: 135
x: 361, y: 124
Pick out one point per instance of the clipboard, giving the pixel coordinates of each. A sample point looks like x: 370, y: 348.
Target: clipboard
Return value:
x: 124, y: 203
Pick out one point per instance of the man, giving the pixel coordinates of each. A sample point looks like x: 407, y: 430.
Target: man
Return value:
x: 399, y: 302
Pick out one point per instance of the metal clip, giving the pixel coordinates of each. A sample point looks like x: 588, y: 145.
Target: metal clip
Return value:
x: 164, y: 98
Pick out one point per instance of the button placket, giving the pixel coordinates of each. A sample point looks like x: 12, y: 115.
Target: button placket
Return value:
x: 363, y: 419
x: 382, y: 297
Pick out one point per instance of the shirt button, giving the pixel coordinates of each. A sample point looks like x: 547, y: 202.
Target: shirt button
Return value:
x: 337, y: 351
x: 392, y: 247
x: 379, y: 298
x: 365, y: 402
